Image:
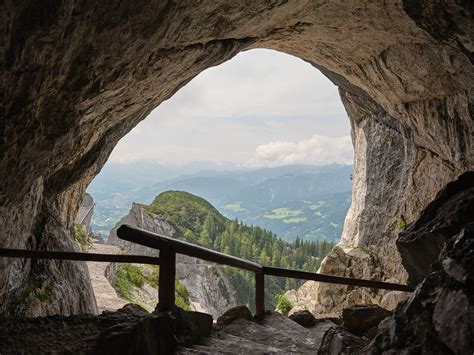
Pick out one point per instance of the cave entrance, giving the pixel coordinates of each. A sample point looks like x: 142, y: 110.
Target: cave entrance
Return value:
x: 271, y: 150
x: 79, y: 78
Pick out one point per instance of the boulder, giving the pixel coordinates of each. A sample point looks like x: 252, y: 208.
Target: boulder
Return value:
x: 130, y: 330
x: 421, y: 243
x: 234, y: 313
x: 304, y: 318
x: 438, y: 317
x: 360, y: 319
x: 338, y: 340
x: 191, y: 326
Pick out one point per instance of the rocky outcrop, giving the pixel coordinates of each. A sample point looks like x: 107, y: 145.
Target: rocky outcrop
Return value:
x: 130, y: 330
x: 274, y: 334
x: 210, y: 290
x: 77, y: 76
x: 421, y: 243
x: 353, y: 262
x: 234, y: 313
x: 360, y: 319
x: 339, y: 341
x: 304, y: 318
x: 85, y: 212
x: 438, y: 317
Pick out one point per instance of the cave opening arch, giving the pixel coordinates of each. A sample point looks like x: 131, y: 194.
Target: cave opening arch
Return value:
x: 80, y: 78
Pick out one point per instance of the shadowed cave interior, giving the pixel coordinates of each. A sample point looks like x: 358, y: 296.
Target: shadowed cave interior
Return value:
x: 77, y: 76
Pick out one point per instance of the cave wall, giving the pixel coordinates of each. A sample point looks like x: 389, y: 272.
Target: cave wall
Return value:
x: 76, y: 76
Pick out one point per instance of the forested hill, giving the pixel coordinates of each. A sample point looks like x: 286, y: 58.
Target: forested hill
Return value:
x: 305, y: 201
x: 200, y: 223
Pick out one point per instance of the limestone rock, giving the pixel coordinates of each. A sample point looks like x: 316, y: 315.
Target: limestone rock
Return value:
x: 359, y: 319
x: 303, y: 298
x: 209, y: 288
x: 391, y: 299
x: 353, y: 262
x: 238, y: 312
x: 85, y: 212
x: 76, y: 77
x: 304, y: 318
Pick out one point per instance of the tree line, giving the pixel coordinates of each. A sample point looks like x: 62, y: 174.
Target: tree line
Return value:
x: 200, y: 223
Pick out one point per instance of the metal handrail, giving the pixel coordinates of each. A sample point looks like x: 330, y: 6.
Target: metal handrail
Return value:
x: 78, y: 256
x: 169, y: 247
x: 305, y: 275
x: 160, y: 242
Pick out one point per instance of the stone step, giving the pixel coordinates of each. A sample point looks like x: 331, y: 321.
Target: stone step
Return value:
x: 313, y: 336
x: 200, y: 349
x: 271, y: 337
x: 280, y: 323
x: 276, y: 334
x: 221, y: 340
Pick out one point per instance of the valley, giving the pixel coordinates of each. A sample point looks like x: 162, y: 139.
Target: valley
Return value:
x: 215, y: 288
x: 294, y: 201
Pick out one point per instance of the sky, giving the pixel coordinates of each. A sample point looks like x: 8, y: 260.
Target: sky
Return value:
x: 261, y: 108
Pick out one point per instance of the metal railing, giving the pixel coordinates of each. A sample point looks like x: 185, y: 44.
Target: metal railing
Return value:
x: 169, y: 247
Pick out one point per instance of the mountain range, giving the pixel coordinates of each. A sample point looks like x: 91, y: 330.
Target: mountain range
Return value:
x: 305, y: 201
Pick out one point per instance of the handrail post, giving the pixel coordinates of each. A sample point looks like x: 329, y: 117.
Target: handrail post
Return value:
x: 166, y: 285
x: 259, y: 295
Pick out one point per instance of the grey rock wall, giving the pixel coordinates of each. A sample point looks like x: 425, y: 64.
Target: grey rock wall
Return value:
x: 76, y: 76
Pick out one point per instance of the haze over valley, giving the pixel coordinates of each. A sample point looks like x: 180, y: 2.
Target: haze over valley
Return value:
x: 305, y: 201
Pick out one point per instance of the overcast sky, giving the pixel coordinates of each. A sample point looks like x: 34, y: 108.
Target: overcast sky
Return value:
x: 261, y: 108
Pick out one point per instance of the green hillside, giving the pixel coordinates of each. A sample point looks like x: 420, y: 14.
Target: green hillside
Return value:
x: 316, y: 197
x: 200, y: 223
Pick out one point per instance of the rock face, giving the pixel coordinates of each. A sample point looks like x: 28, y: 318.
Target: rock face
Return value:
x: 86, y: 210
x: 130, y: 330
x: 438, y: 317
x: 105, y: 295
x: 274, y: 334
x: 421, y: 243
x: 76, y: 76
x: 68, y: 335
x: 209, y: 288
x: 234, y: 313
x: 354, y: 262
x: 360, y: 319
x: 304, y: 318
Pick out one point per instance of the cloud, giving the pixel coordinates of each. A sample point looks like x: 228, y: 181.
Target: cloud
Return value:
x: 319, y: 150
x: 227, y: 111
